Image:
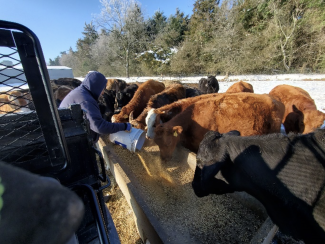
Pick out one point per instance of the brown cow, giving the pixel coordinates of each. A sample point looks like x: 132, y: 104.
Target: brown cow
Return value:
x: 248, y: 113
x: 115, y: 84
x: 171, y: 94
x: 169, y: 111
x: 139, y: 101
x: 61, y: 93
x: 240, y: 86
x: 13, y: 102
x: 300, y: 109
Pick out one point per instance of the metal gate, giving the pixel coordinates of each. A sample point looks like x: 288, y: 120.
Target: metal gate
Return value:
x: 30, y: 126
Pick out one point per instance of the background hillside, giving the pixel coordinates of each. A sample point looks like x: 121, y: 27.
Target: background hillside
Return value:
x: 220, y: 37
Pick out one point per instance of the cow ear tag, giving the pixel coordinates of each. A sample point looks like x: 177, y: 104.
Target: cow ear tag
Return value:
x: 126, y: 116
x: 175, y: 133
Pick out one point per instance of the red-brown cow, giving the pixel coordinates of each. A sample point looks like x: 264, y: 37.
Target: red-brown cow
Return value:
x: 300, y: 109
x: 171, y: 94
x: 61, y: 93
x: 139, y: 101
x: 240, y: 86
x: 169, y: 111
x: 248, y: 113
x: 13, y: 102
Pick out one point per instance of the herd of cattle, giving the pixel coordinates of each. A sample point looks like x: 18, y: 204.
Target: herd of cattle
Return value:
x: 236, y: 136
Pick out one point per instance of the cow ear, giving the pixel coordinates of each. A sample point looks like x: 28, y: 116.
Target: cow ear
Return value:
x: 294, y: 108
x: 177, y: 130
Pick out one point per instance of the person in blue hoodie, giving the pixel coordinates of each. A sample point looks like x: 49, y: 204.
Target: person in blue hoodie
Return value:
x: 87, y: 95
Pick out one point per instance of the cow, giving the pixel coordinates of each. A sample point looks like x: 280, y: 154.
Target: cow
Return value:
x: 285, y: 173
x: 169, y: 111
x: 110, y: 85
x: 106, y: 104
x: 294, y: 96
x: 74, y: 83
x: 191, y: 91
x: 139, y: 100
x: 240, y: 86
x: 60, y: 93
x: 171, y: 94
x: 209, y: 85
x: 13, y: 102
x: 124, y: 96
x: 249, y: 113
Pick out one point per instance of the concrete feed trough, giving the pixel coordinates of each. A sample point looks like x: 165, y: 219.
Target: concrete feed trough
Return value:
x: 166, y: 208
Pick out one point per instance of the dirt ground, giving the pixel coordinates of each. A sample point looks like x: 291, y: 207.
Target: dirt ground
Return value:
x: 122, y: 214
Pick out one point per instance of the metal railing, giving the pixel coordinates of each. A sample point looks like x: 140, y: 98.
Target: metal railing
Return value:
x: 29, y: 122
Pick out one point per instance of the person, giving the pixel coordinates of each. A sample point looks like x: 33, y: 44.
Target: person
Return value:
x: 87, y: 95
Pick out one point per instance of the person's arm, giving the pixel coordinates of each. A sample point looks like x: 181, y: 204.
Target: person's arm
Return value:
x: 98, y: 124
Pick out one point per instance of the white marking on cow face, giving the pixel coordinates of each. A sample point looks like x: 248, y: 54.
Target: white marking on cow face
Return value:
x: 150, y: 121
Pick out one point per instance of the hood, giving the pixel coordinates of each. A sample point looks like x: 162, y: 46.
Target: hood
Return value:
x: 95, y: 82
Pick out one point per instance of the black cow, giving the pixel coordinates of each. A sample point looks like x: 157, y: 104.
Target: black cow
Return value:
x: 124, y: 96
x: 119, y: 85
x: 285, y: 173
x: 209, y: 85
x: 106, y: 104
x: 191, y: 91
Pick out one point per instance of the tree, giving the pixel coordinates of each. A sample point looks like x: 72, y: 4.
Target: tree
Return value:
x: 202, y: 20
x: 287, y: 15
x: 84, y: 44
x: 123, y: 21
x: 71, y: 60
x: 55, y: 62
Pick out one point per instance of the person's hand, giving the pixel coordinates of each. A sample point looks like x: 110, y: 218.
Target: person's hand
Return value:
x: 128, y: 127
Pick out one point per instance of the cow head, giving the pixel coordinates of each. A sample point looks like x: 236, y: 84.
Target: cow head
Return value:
x: 167, y: 137
x: 313, y: 119
x: 121, y: 99
x: 135, y: 123
x: 151, y: 123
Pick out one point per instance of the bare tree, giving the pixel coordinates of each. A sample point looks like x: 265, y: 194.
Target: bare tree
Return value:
x: 286, y: 17
x: 122, y: 20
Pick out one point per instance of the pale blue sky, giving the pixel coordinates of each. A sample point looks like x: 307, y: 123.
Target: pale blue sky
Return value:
x: 58, y: 24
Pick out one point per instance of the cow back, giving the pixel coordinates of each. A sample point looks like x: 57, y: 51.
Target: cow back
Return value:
x: 295, y: 96
x: 240, y: 86
x: 139, y: 101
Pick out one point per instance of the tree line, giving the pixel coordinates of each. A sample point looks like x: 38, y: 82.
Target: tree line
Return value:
x: 220, y: 37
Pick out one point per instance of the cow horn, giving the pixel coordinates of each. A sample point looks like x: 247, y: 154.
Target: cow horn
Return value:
x: 131, y: 116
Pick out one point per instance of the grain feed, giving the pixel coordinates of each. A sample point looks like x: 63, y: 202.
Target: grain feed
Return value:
x: 185, y: 218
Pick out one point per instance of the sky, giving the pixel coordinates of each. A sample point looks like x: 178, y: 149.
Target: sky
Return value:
x: 59, y: 24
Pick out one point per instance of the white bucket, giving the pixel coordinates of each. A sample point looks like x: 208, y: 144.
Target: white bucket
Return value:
x: 130, y: 140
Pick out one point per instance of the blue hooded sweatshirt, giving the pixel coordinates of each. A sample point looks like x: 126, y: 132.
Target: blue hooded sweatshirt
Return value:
x: 87, y: 95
